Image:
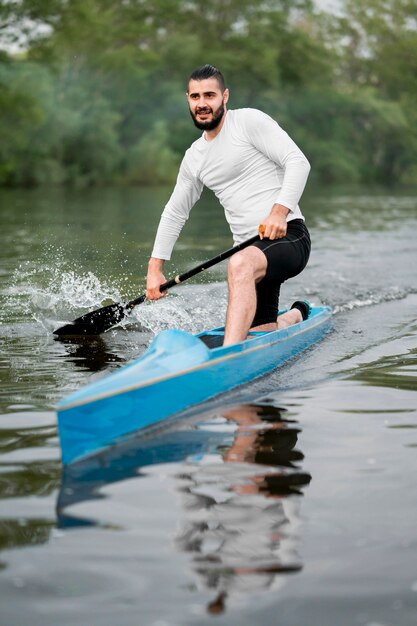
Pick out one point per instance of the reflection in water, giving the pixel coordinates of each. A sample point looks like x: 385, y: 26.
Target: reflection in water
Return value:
x: 83, y: 481
x: 91, y: 353
x: 396, y: 371
x: 240, y: 510
x: 239, y: 484
x: 17, y: 532
x: 25, y: 481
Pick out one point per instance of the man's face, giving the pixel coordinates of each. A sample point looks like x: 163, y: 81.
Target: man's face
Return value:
x: 206, y: 102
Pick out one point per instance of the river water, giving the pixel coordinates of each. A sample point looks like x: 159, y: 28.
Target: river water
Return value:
x: 289, y: 501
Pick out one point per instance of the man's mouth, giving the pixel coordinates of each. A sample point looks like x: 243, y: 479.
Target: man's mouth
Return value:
x: 207, y: 119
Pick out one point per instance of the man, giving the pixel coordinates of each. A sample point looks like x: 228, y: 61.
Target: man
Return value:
x: 258, y: 174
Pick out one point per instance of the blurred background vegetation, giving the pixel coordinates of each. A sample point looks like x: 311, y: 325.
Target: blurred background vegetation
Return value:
x: 92, y: 92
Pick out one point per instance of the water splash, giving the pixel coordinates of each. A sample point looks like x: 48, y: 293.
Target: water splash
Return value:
x: 50, y: 294
x: 55, y: 294
x: 80, y: 291
x: 193, y: 309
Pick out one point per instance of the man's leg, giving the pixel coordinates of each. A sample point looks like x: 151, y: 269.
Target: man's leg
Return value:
x: 283, y: 321
x: 286, y: 258
x: 293, y: 316
x: 244, y: 270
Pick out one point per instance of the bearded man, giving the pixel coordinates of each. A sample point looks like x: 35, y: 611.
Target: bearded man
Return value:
x: 258, y: 174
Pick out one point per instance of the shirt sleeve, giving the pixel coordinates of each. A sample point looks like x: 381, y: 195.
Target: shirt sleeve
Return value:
x: 186, y: 192
x: 267, y: 136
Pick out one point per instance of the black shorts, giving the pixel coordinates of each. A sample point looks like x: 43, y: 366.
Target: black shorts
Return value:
x: 286, y: 258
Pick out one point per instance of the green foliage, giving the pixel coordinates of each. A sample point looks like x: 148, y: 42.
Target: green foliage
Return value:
x: 21, y: 116
x: 54, y: 129
x: 151, y: 158
x: 98, y: 96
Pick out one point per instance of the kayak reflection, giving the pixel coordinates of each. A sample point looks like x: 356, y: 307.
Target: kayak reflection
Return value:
x: 239, y: 483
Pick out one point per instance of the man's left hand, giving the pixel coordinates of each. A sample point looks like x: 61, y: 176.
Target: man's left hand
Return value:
x: 275, y: 225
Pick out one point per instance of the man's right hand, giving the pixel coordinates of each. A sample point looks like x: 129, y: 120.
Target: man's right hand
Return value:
x: 154, y: 279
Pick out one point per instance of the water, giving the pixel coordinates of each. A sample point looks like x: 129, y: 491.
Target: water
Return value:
x: 290, y: 501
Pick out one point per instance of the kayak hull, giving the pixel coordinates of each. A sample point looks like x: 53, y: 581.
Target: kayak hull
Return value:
x: 176, y: 372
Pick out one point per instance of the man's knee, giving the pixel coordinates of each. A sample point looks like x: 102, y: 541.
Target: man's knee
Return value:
x: 248, y: 264
x: 238, y: 264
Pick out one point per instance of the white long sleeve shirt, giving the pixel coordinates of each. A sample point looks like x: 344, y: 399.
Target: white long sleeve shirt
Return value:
x: 250, y: 165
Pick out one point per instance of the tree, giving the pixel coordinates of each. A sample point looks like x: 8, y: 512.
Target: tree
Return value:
x: 98, y: 95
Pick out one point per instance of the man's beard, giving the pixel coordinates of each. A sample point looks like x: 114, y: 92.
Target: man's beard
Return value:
x: 215, y: 121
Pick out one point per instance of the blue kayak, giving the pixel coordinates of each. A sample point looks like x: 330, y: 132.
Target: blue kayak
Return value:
x: 177, y: 371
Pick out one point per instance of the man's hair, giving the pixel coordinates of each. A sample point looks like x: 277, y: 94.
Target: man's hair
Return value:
x: 208, y: 71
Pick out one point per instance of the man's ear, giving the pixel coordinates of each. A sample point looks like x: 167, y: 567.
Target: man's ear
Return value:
x: 226, y: 96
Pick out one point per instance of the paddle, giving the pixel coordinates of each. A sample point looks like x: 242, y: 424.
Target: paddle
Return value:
x: 103, y: 319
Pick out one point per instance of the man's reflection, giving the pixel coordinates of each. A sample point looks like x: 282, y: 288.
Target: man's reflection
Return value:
x: 241, y: 506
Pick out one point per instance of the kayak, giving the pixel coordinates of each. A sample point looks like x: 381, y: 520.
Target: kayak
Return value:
x: 177, y: 371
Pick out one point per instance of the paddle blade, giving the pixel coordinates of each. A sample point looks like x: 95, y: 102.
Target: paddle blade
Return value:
x: 93, y: 323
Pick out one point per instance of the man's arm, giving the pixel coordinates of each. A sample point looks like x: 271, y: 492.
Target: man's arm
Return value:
x: 186, y: 193
x: 270, y: 139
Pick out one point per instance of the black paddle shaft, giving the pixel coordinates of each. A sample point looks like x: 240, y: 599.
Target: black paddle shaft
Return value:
x: 199, y: 268
x: 103, y: 319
